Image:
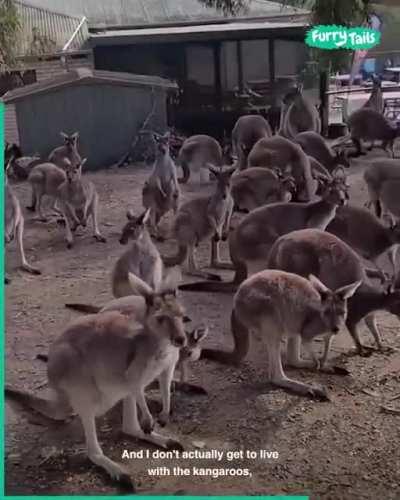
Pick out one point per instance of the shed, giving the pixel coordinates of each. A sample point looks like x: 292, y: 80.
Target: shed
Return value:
x: 107, y: 108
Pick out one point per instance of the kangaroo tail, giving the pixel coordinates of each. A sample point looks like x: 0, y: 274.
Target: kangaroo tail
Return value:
x: 241, y: 346
x: 177, y: 259
x: 85, y: 308
x: 186, y: 172
x: 29, y: 405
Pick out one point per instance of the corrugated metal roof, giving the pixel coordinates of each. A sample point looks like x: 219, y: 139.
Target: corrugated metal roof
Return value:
x: 148, y: 12
x: 197, y: 32
x: 83, y: 76
x: 44, y: 31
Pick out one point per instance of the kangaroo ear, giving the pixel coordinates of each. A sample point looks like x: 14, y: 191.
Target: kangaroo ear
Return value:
x: 146, y: 216
x: 199, y: 334
x: 213, y: 169
x: 229, y: 171
x: 319, y: 286
x: 347, y: 291
x: 278, y: 172
x: 339, y: 174
x: 83, y: 162
x: 140, y: 287
x: 130, y: 215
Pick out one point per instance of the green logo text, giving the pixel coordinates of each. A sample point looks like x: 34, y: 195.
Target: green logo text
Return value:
x: 340, y: 37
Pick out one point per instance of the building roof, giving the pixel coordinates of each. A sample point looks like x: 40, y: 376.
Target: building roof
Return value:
x: 155, y: 12
x: 85, y: 76
x: 205, y: 32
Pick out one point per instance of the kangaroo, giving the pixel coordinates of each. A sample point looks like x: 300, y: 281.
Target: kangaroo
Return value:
x: 69, y: 151
x: 365, y: 234
x: 14, y: 227
x: 79, y: 200
x: 202, y: 218
x: 21, y: 167
x: 273, y: 304
x: 252, y: 240
x: 161, y: 190
x: 100, y: 360
x: 196, y: 152
x: 11, y: 151
x: 337, y: 265
x: 142, y: 259
x: 45, y: 179
x: 301, y: 116
x: 389, y: 198
x: 313, y: 144
x: 380, y: 171
x: 256, y: 186
x: 248, y: 130
x: 286, y: 155
x: 370, y: 125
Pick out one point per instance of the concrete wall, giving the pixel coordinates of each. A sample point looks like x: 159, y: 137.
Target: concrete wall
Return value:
x: 106, y: 116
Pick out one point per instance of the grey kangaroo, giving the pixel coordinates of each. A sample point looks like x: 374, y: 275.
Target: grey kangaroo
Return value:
x: 69, y: 151
x: 274, y: 304
x: 78, y: 200
x: 45, y: 180
x: 14, y: 227
x: 142, y: 258
x: 313, y: 144
x: 100, y: 360
x: 196, y: 152
x: 161, y: 192
x: 201, y: 218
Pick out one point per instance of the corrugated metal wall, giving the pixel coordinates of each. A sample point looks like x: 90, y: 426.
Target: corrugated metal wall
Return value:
x: 138, y: 12
x: 106, y: 116
x: 45, y: 32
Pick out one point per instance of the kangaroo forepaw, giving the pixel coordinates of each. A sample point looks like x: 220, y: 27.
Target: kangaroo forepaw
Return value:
x: 100, y: 238
x: 147, y: 425
x: 163, y: 419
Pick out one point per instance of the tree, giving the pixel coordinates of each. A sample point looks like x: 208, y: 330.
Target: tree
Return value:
x: 10, y: 26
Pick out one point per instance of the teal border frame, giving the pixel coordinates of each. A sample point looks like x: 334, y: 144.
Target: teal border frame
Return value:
x: 2, y: 307
x: 2, y: 379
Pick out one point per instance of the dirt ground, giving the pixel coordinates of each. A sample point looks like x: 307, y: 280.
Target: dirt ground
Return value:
x: 344, y: 449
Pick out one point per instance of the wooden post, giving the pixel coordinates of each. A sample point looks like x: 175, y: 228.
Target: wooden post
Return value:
x: 324, y: 99
x: 239, y: 58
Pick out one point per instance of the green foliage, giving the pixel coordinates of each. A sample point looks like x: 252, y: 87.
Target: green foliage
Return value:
x: 9, y: 29
x: 228, y: 7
